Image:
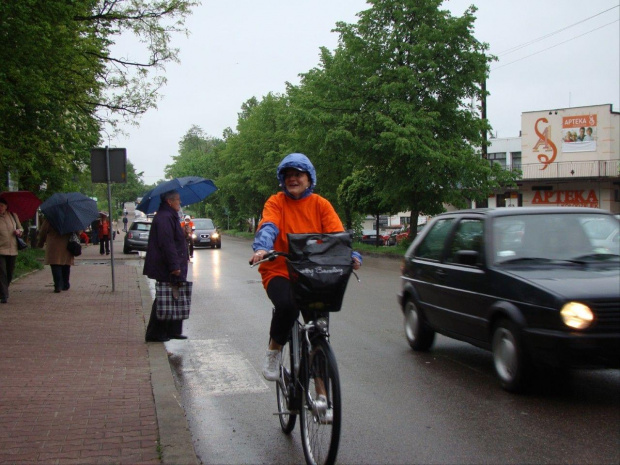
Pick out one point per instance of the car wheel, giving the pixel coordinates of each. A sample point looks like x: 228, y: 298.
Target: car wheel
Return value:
x: 509, y: 358
x: 126, y: 250
x: 419, y: 335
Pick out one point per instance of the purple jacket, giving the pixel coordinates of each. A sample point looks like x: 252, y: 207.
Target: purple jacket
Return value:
x: 167, y: 248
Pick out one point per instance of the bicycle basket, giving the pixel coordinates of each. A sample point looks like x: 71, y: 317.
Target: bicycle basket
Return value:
x: 319, y: 267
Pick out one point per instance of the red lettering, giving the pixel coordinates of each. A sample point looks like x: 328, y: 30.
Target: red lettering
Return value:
x: 592, y: 197
x: 537, y: 198
x: 548, y: 195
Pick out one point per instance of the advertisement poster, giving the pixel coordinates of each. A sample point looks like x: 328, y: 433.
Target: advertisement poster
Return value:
x: 579, y: 133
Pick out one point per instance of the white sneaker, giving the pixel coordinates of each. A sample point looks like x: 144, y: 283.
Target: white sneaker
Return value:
x: 271, y: 365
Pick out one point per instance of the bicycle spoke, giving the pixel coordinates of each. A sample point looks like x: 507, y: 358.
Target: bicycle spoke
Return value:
x: 320, y: 421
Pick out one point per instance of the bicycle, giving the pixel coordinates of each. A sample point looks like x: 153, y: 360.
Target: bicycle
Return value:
x: 309, y: 384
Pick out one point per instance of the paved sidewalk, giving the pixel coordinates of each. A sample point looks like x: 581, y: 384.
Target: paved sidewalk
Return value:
x: 78, y: 384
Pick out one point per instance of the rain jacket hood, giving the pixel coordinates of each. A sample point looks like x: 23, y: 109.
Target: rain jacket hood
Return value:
x: 299, y: 162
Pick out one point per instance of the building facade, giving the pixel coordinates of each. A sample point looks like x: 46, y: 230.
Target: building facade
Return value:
x: 568, y: 157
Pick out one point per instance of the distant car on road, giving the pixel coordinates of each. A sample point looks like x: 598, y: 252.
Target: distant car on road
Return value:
x: 137, y: 237
x: 535, y: 286
x: 206, y: 234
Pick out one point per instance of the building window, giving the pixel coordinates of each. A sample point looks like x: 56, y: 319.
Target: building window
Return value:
x: 497, y: 158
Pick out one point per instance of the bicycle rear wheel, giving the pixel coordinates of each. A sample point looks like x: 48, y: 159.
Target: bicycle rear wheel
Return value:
x: 283, y: 391
x: 320, y: 427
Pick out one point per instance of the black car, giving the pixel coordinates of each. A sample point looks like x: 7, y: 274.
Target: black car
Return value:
x: 206, y: 234
x: 137, y: 237
x: 532, y: 285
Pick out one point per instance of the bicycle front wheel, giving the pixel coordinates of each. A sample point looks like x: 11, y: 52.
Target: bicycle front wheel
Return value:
x: 284, y: 391
x: 320, y: 416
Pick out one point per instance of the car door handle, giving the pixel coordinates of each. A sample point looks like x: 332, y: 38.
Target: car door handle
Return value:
x: 440, y: 273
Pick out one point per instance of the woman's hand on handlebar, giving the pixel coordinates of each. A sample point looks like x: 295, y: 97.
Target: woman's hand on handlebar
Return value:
x: 258, y: 256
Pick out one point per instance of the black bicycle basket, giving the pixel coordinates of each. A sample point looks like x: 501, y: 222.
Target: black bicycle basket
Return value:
x: 319, y: 267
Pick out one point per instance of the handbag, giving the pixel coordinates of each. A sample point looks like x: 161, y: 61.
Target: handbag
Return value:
x: 73, y: 246
x: 173, y: 300
x: 21, y: 244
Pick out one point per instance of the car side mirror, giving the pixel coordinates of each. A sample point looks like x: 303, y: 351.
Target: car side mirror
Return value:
x: 467, y: 257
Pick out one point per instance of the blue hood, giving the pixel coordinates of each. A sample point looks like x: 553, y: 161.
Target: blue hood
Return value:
x: 300, y: 162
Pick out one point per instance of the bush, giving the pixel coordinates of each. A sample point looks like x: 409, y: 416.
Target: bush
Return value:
x: 28, y: 260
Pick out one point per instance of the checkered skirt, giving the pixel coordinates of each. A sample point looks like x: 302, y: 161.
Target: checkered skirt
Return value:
x: 170, y: 307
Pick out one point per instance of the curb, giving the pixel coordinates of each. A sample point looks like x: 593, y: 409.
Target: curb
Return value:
x: 175, y: 438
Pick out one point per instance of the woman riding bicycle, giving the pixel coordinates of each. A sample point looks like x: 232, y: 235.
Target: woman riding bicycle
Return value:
x: 294, y: 210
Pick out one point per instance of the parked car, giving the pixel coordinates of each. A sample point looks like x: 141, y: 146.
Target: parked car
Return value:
x: 529, y: 284
x: 137, y: 237
x: 206, y: 234
x: 369, y: 236
x: 398, y: 236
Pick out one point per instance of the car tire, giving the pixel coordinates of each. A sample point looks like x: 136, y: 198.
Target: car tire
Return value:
x: 126, y: 250
x: 419, y: 335
x: 510, y: 360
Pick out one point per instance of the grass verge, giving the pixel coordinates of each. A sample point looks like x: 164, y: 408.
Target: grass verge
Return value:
x: 28, y: 260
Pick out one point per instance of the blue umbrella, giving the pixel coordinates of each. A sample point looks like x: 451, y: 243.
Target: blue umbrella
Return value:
x: 192, y: 189
x: 69, y: 212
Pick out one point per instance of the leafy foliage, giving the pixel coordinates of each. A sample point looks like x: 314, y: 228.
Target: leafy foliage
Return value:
x: 61, y: 84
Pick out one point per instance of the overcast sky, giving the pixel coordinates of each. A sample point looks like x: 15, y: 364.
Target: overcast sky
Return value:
x: 238, y: 49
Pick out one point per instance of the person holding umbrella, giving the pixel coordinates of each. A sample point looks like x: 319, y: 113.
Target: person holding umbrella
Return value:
x: 57, y: 256
x: 166, y: 261
x: 10, y: 228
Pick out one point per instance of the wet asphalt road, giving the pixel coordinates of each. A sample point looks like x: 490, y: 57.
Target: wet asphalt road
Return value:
x: 399, y: 407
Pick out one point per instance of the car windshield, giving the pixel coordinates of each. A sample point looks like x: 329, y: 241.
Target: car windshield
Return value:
x: 557, y: 236
x: 203, y: 224
x: 141, y: 226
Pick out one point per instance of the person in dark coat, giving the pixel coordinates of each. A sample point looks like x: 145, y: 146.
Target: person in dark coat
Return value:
x: 166, y: 261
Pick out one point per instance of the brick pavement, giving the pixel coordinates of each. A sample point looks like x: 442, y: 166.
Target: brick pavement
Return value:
x: 75, y: 375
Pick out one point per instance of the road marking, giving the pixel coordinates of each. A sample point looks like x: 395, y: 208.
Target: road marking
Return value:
x: 215, y: 367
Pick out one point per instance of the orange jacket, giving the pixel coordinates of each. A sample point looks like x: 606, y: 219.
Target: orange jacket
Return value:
x: 312, y: 214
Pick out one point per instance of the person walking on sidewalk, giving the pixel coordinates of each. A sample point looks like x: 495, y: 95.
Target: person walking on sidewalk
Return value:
x: 57, y: 256
x: 10, y: 228
x: 125, y: 221
x: 103, y: 231
x: 166, y: 261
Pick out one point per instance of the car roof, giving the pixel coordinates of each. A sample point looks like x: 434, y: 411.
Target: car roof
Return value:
x: 511, y: 211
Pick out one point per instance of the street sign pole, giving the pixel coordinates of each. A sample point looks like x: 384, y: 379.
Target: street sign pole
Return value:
x: 111, y: 230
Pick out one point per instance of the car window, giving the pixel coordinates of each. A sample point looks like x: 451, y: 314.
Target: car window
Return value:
x: 203, y: 224
x: 432, y: 244
x: 468, y: 236
x: 555, y: 236
x: 142, y: 226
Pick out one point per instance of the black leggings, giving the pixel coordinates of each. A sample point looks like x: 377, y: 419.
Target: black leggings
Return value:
x: 285, y: 310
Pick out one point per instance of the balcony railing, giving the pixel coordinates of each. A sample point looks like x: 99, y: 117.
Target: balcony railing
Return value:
x: 570, y: 169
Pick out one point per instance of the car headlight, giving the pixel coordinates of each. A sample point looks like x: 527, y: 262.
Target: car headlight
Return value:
x: 193, y: 235
x: 215, y: 235
x: 576, y: 315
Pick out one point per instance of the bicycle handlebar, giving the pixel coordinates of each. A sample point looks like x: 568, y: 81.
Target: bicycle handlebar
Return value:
x: 269, y: 257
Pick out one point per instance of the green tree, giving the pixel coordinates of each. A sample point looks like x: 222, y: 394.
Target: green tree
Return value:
x: 249, y: 160
x: 402, y: 79
x: 60, y: 82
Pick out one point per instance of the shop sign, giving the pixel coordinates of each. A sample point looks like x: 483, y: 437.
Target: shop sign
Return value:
x: 574, y: 198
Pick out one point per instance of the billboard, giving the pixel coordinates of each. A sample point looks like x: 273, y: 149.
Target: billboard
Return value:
x: 579, y: 133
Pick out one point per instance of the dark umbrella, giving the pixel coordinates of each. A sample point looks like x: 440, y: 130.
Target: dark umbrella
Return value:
x: 192, y: 189
x: 23, y: 203
x: 69, y: 212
